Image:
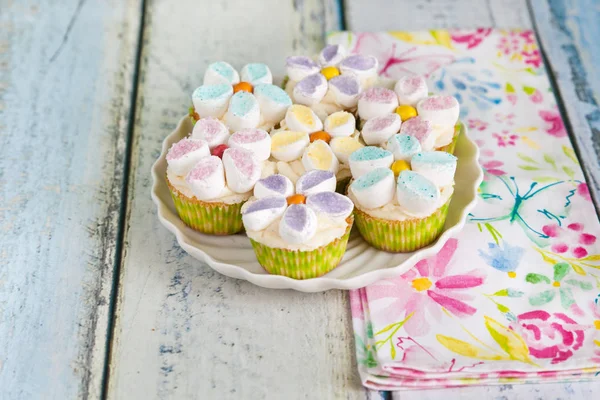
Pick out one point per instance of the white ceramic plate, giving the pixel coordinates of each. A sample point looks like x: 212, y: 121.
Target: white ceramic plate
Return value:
x: 233, y: 255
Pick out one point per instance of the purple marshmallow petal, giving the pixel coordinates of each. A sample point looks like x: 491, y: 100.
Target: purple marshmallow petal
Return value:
x: 331, y: 203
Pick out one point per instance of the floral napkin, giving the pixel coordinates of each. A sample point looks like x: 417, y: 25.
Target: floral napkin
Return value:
x: 515, y: 297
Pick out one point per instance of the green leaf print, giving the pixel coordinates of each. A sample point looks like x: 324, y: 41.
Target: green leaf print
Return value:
x: 581, y: 285
x: 542, y: 298
x: 528, y: 168
x: 570, y: 173
x: 550, y: 160
x: 526, y: 158
x: 560, y: 271
x: 536, y: 278
x: 566, y: 297
x: 570, y: 153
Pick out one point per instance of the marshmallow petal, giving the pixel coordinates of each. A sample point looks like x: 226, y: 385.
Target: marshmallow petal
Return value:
x: 261, y: 213
x: 342, y: 147
x: 207, y: 179
x: 378, y: 130
x: 243, y: 112
x: 340, y: 123
x: 376, y: 102
x: 274, y: 185
x: 421, y: 130
x: 186, y: 153
x: 374, y: 189
x: 257, y: 141
x: 411, y: 90
x: 417, y: 194
x: 299, y: 67
x: 310, y: 90
x: 256, y: 73
x: 212, y: 100
x: 316, y: 181
x: 437, y: 166
x: 367, y: 159
x: 210, y: 129
x: 363, y: 67
x: 273, y: 102
x: 331, y: 55
x: 242, y: 169
x: 403, y: 147
x: 288, y: 146
x: 345, y: 90
x: 303, y: 119
x: 298, y: 224
x: 331, y: 204
x: 221, y: 72
x: 440, y: 110
x: 318, y: 155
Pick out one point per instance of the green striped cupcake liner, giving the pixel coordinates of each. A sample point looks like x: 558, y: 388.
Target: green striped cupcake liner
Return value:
x: 209, y: 218
x: 299, y: 264
x: 450, y: 147
x: 401, y: 236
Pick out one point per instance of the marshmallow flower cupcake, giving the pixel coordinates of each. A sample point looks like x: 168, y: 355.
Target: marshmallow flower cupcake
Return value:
x: 242, y: 101
x: 333, y: 82
x: 304, y: 143
x: 301, y: 233
x: 401, y: 194
x: 209, y: 190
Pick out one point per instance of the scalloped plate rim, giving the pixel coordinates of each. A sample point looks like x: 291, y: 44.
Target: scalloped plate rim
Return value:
x: 314, y: 284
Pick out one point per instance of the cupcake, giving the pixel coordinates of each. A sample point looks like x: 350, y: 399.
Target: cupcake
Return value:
x: 208, y: 186
x: 409, y: 110
x: 299, y: 232
x: 241, y: 101
x: 332, y: 82
x: 304, y: 143
x: 401, y: 194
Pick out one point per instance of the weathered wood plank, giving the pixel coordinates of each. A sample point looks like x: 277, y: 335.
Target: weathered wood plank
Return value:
x: 66, y: 73
x: 413, y: 15
x: 182, y: 330
x: 569, y: 31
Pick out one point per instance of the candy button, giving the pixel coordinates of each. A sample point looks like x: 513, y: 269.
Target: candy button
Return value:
x: 406, y: 112
x: 296, y: 199
x: 374, y: 189
x: 219, y: 150
x: 340, y: 123
x: 302, y: 118
x: 320, y: 135
x: 288, y: 146
x: 318, y: 155
x: 342, y: 147
x: 330, y: 72
x: 242, y: 86
x: 220, y: 72
x: 399, y: 166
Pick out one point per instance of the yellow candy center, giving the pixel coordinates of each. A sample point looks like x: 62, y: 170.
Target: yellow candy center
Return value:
x: 512, y: 274
x: 303, y: 114
x: 406, y: 112
x: 556, y: 284
x: 330, y: 72
x: 597, y: 324
x: 399, y: 166
x: 421, y: 284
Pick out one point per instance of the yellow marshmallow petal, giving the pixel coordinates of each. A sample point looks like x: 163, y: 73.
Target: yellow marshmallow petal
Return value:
x: 344, y: 146
x: 319, y: 156
x: 288, y: 145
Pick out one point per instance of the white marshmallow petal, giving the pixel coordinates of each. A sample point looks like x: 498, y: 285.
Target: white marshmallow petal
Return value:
x: 298, y: 224
x: 186, y: 153
x: 207, y: 178
x: 299, y: 67
x: 274, y: 185
x: 376, y: 102
x: 310, y: 90
x: 257, y: 141
x: 340, y: 123
x: 403, y: 147
x: 302, y: 119
x: 411, y: 90
x: 288, y: 146
x: 316, y: 181
x: 243, y: 112
x: 331, y: 55
x: 242, y: 169
x: 367, y: 159
x: 261, y: 213
x: 440, y: 110
x: 437, y: 166
x: 345, y: 90
x: 273, y: 102
x: 210, y: 129
x: 374, y: 189
x: 212, y: 100
x: 363, y: 67
x: 220, y: 72
x: 342, y: 147
x: 378, y: 130
x: 421, y: 130
x: 417, y: 194
x: 256, y: 74
x: 318, y: 155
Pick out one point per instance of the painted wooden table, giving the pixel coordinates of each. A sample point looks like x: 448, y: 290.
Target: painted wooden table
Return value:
x: 96, y: 298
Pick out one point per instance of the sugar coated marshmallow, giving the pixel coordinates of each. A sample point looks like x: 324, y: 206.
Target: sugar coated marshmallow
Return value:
x: 298, y: 224
x: 299, y: 67
x: 369, y: 158
x: 331, y: 204
x: 331, y: 55
x: 303, y: 119
x: 207, y: 178
x: 316, y: 181
x: 374, y: 189
x: 440, y: 110
x: 376, y: 102
x: 273, y: 102
x: 273, y: 185
x: 363, y: 67
x: 220, y: 72
x: 256, y: 73
x: 288, y: 145
x: 421, y: 130
x: 257, y: 141
x: 437, y: 166
x: 212, y: 100
x: 378, y: 130
x: 403, y: 147
x: 243, y: 112
x: 417, y: 194
x: 345, y: 90
x: 340, y: 123
x: 342, y: 147
x: 310, y: 90
x: 211, y: 130
x: 263, y: 212
x: 318, y: 155
x: 242, y: 169
x: 183, y: 155
x: 411, y: 90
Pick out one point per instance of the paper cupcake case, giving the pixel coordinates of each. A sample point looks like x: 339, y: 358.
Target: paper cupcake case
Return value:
x: 209, y: 218
x: 298, y: 264
x: 401, y: 236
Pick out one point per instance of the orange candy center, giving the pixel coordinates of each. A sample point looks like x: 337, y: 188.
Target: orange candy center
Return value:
x: 242, y: 87
x: 296, y: 199
x: 320, y: 135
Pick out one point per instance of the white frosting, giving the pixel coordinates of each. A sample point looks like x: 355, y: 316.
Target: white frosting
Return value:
x: 378, y: 191
x: 411, y: 90
x: 211, y: 130
x: 210, y: 184
x: 393, y: 211
x: 336, y: 129
x: 257, y: 141
x: 292, y: 170
x: 376, y: 131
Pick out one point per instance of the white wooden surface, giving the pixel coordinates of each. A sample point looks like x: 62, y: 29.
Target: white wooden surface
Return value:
x: 183, y: 331
x: 65, y: 86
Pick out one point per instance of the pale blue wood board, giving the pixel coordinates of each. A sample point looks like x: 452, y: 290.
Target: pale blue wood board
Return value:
x: 569, y: 31
x: 66, y: 73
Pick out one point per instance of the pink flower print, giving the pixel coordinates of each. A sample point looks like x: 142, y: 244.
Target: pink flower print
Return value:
x: 425, y: 289
x: 505, y: 138
x: 492, y: 167
x: 549, y: 336
x: 477, y: 124
x: 520, y: 46
x: 356, y: 304
x: 584, y: 191
x: 509, y: 44
x: 557, y: 127
x: 508, y: 119
x: 471, y: 38
x: 571, y: 239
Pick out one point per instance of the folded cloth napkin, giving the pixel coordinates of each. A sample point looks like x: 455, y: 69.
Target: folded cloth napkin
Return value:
x: 515, y: 297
